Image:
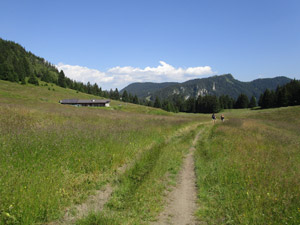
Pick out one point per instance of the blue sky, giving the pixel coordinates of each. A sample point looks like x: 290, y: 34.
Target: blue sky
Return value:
x: 115, y: 42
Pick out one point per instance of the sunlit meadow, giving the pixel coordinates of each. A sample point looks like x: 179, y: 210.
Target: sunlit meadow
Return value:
x: 53, y: 156
x: 248, y: 168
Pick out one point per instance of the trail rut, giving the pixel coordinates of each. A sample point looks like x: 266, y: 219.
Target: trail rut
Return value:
x: 96, y: 202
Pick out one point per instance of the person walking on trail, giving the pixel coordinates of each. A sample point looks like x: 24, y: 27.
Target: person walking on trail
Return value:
x: 213, y: 117
x: 222, y: 118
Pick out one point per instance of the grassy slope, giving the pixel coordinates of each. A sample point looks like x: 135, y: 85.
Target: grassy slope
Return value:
x: 53, y: 155
x: 249, y: 168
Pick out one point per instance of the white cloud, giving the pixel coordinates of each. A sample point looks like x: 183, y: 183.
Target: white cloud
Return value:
x: 119, y: 77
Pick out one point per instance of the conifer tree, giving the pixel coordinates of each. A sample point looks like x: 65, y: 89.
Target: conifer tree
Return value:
x: 89, y: 87
x: 281, y: 96
x: 130, y: 98
x: 61, y: 79
x: 135, y: 100
x: 125, y: 96
x: 242, y: 102
x: 116, y: 94
x: 266, y: 100
x: 157, y: 103
x: 252, y: 102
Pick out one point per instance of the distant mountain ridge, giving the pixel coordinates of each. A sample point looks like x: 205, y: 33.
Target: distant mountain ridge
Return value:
x: 216, y: 85
x: 143, y: 90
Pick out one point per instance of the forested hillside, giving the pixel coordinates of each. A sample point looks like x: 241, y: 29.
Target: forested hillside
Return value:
x: 16, y: 64
x: 143, y: 90
x: 216, y: 85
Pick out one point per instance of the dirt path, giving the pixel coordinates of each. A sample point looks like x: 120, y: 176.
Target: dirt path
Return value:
x: 181, y: 201
x: 96, y: 202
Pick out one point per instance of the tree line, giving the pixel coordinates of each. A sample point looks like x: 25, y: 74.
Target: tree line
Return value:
x: 204, y: 104
x: 286, y: 95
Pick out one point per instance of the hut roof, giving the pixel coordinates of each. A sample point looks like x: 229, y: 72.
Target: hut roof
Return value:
x: 84, y: 101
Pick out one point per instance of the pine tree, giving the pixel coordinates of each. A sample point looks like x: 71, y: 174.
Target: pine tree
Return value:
x: 111, y: 94
x: 166, y: 105
x: 252, y: 103
x: 135, y: 100
x: 191, y: 105
x: 199, y: 104
x: 266, y: 99
x: 242, y: 102
x: 125, y: 96
x: 116, y: 94
x: 61, y: 79
x: 293, y: 89
x: 89, y: 88
x: 130, y: 98
x: 149, y: 103
x: 281, y: 97
x: 157, y: 103
x: 96, y: 89
x: 207, y: 104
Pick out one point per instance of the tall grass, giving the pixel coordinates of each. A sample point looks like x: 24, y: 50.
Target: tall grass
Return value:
x: 140, y: 191
x: 248, y: 169
x: 53, y: 156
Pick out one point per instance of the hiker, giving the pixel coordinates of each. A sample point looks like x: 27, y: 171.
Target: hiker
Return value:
x: 222, y: 118
x: 213, y: 117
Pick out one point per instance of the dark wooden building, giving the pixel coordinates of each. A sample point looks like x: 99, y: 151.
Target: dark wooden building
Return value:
x: 89, y: 102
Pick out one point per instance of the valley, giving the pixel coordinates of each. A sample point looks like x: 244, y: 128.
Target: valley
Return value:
x: 121, y: 164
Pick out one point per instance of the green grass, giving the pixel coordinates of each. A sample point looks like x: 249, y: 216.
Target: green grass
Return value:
x: 140, y: 191
x: 248, y: 168
x: 34, y: 96
x: 53, y: 156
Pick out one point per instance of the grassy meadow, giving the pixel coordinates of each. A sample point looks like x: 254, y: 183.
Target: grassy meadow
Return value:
x: 141, y: 190
x: 53, y: 156
x: 248, y: 168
